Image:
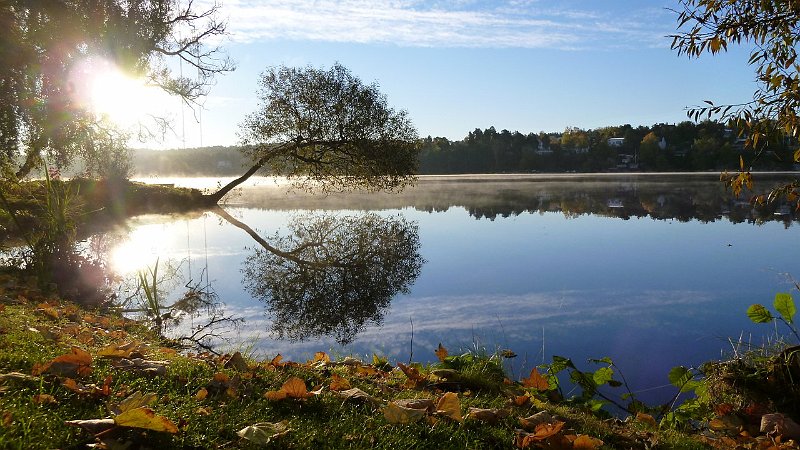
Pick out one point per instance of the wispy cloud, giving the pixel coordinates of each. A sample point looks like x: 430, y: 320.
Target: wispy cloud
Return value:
x: 509, y: 24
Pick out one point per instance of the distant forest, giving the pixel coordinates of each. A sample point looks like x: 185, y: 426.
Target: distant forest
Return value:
x: 686, y: 146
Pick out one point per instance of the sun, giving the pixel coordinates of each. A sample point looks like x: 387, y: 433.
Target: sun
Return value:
x: 104, y: 89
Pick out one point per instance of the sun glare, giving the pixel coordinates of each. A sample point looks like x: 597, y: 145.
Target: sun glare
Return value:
x: 104, y: 89
x: 143, y: 247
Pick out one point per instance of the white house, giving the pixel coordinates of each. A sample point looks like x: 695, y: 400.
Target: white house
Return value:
x: 616, y: 142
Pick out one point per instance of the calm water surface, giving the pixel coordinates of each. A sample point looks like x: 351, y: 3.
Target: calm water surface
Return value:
x: 652, y: 271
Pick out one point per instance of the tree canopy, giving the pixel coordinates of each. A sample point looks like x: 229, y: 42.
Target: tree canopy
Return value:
x: 327, y: 129
x: 772, y: 28
x: 46, y: 45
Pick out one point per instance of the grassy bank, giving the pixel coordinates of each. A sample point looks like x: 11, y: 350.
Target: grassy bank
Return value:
x: 71, y: 377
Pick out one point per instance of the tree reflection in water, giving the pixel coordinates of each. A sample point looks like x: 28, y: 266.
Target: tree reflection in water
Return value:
x: 331, y: 275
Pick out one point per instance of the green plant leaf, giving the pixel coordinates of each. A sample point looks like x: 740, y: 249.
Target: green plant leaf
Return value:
x: 679, y: 376
x: 603, y: 375
x: 785, y: 306
x: 759, y: 314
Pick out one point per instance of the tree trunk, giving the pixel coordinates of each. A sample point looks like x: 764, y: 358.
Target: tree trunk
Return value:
x: 214, y: 198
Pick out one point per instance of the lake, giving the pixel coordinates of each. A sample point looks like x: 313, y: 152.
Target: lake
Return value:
x: 653, y: 271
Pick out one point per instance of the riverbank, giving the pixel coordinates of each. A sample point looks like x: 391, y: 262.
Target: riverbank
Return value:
x: 71, y: 377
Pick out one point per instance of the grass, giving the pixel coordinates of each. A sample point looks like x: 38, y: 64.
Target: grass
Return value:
x: 35, y: 329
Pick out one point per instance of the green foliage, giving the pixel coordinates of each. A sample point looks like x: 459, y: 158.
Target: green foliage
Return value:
x: 784, y: 306
x: 769, y: 27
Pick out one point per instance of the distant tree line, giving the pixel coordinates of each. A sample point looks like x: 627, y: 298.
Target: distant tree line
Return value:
x: 686, y: 146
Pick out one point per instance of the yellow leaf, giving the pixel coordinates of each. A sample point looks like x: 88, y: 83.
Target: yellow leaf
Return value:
x: 441, y: 352
x: 536, y: 381
x: 146, y: 419
x: 264, y: 432
x: 338, y: 383
x: 395, y: 413
x: 119, y: 351
x: 136, y: 400
x: 585, y: 442
x: 201, y: 394
x: 450, y: 406
x: 322, y: 357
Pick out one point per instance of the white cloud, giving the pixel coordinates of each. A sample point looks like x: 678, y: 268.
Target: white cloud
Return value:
x: 511, y: 24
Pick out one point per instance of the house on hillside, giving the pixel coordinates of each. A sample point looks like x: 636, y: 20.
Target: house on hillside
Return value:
x: 616, y: 142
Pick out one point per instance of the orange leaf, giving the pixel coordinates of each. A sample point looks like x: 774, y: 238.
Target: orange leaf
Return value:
x: 275, y: 395
x: 522, y: 400
x: 536, y: 381
x: 586, y: 442
x: 411, y: 372
x: 441, y: 352
x: 321, y: 357
x: 201, y: 394
x: 547, y: 429
x: 276, y: 361
x: 74, y: 363
x: 145, y: 418
x: 296, y: 388
x: 338, y: 383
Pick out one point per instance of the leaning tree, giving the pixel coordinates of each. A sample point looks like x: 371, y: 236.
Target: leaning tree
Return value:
x: 326, y: 129
x: 44, y: 43
x: 772, y: 29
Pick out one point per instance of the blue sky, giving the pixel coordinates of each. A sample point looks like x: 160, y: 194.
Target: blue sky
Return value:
x: 524, y: 65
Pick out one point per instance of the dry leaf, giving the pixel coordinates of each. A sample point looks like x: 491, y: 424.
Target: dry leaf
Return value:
x: 522, y: 400
x: 395, y: 413
x: 586, y: 442
x: 276, y: 361
x: 263, y: 433
x: 491, y: 416
x: 44, y: 399
x: 450, y: 406
x: 135, y: 400
x: 441, y: 352
x: 536, y: 381
x: 339, y: 383
x: 120, y: 351
x: 201, y: 394
x: 530, y: 423
x: 236, y: 362
x: 357, y: 395
x: 424, y: 404
x: 94, y: 426
x: 321, y: 357
x: 146, y: 419
x: 412, y: 373
x: 73, y: 364
x: 275, y: 395
x: 142, y: 365
x: 646, y: 419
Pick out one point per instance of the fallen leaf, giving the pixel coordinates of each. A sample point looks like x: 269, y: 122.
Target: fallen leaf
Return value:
x: 134, y: 401
x: 412, y: 373
x: 142, y: 365
x: 94, y: 426
x: 276, y: 361
x: 48, y: 310
x: 296, y: 388
x: 339, y: 383
x: 536, y: 381
x: 450, y: 406
x: 262, y: 433
x: 275, y: 395
x: 146, y: 419
x: 491, y: 416
x: 547, y: 429
x: 586, y: 442
x: 201, y: 394
x: 441, y: 352
x: 120, y: 351
x: 447, y: 374
x: 236, y: 362
x: 44, y: 399
x: 73, y: 364
x: 531, y: 422
x: 646, y: 418
x: 395, y: 413
x: 522, y: 400
x: 79, y: 388
x: 357, y: 395
x: 321, y: 357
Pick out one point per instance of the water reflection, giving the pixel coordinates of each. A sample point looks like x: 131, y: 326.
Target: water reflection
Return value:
x: 331, y: 275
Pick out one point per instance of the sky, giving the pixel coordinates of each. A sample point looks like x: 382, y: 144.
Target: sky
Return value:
x: 520, y: 65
